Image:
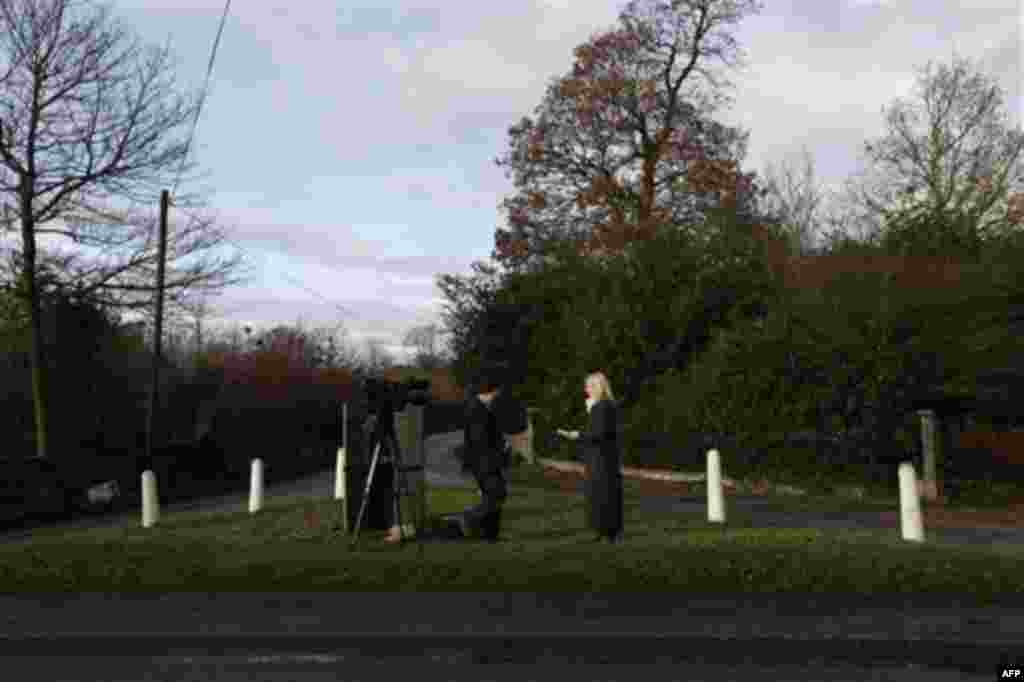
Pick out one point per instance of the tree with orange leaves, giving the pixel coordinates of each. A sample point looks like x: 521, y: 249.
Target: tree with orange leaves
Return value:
x: 624, y: 143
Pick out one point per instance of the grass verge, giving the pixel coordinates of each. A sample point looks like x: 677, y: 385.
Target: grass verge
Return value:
x: 296, y: 544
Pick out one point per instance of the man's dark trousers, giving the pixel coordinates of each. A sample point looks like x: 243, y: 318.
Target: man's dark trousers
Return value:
x: 486, y: 516
x: 484, y: 459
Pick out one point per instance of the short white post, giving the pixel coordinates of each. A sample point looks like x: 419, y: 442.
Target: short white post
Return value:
x: 716, y: 501
x: 910, y: 505
x: 150, y: 501
x: 256, y: 486
x: 339, y: 476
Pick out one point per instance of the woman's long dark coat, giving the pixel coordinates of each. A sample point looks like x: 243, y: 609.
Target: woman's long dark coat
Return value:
x: 602, y: 455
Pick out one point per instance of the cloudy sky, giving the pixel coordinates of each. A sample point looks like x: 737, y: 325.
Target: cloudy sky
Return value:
x: 351, y: 147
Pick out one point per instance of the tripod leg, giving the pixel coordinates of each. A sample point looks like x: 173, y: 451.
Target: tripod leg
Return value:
x: 396, y: 493
x: 400, y: 489
x: 397, y: 498
x: 366, y: 493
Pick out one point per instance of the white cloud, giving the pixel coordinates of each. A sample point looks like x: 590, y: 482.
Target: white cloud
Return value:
x: 356, y: 144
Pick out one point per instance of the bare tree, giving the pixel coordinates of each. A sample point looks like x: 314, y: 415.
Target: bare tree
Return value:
x: 316, y: 347
x: 123, y: 272
x: 198, y: 312
x: 424, y: 340
x: 948, y: 174
x: 226, y: 338
x: 795, y: 198
x: 377, y: 358
x: 334, y: 347
x: 91, y: 125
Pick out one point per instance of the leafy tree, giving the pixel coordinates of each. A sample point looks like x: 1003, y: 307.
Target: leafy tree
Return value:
x: 71, y: 318
x: 853, y: 339
x: 13, y: 322
x: 624, y: 143
x: 634, y: 318
x: 94, y: 359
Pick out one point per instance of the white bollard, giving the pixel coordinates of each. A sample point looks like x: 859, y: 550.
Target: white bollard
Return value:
x: 716, y: 501
x: 910, y: 504
x: 339, y: 476
x: 150, y: 501
x: 256, y: 486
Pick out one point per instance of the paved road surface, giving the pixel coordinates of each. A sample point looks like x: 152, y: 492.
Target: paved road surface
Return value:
x: 276, y: 635
x: 440, y: 665
x: 270, y: 636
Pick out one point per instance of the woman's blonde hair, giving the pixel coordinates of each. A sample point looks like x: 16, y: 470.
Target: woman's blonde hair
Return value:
x: 603, y: 385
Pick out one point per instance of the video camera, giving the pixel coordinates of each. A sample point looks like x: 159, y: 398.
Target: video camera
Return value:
x: 417, y: 391
x: 384, y: 398
x: 380, y: 406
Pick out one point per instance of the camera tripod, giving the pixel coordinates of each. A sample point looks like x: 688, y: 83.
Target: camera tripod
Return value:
x: 399, y: 488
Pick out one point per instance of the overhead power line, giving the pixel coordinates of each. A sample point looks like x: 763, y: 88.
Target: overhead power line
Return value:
x: 202, y: 96
x: 188, y: 147
x: 345, y: 310
x: 296, y: 282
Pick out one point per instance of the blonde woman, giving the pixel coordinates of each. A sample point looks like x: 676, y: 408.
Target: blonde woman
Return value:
x: 602, y: 452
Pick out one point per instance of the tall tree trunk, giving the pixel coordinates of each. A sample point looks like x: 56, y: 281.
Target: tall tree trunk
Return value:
x: 37, y: 347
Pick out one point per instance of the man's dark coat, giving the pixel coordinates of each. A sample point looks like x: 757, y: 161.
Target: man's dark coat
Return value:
x: 485, y: 429
x: 482, y: 454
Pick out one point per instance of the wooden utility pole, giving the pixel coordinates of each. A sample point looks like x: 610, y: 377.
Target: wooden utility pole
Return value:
x: 154, y: 391
x: 929, y: 486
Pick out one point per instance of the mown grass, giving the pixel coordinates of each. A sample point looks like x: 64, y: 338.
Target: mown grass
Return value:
x: 545, y: 548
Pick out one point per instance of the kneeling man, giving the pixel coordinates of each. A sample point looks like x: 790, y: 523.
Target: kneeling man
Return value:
x: 490, y: 417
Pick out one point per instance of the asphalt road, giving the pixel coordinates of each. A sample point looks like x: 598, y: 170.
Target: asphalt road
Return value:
x: 453, y: 665
x: 294, y: 636
x: 272, y: 636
